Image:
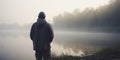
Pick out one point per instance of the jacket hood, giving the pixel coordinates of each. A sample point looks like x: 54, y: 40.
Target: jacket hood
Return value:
x: 42, y: 15
x: 40, y: 21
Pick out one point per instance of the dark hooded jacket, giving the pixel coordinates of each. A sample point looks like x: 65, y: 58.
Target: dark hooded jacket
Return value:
x: 41, y: 34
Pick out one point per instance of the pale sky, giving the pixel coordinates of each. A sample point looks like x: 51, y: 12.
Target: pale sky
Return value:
x: 26, y: 11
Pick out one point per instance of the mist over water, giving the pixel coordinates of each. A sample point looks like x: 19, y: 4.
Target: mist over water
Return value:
x: 60, y: 50
x: 87, y: 41
x: 18, y: 46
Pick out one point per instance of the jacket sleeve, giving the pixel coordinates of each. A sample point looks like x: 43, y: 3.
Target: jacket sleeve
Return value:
x: 32, y: 32
x: 50, y: 33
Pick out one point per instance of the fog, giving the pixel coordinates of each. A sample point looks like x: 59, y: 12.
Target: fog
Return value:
x: 104, y: 19
x: 77, y: 33
x: 91, y: 29
x: 15, y: 43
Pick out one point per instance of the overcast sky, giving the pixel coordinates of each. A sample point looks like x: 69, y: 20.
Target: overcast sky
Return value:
x: 26, y: 11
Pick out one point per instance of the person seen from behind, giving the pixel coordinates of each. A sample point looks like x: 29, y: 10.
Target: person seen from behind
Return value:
x: 42, y: 35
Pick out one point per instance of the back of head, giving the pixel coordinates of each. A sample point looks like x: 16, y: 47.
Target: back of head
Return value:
x: 41, y: 15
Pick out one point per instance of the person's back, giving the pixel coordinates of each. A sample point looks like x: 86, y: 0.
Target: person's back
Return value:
x: 41, y: 35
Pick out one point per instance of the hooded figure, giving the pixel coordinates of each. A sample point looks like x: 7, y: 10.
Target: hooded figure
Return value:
x: 42, y: 35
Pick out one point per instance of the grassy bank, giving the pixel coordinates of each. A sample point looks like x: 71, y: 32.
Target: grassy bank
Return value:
x: 105, y: 54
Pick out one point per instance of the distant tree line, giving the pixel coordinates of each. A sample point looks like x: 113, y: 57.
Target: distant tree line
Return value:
x: 105, y: 18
